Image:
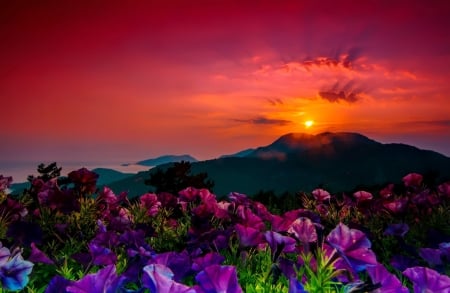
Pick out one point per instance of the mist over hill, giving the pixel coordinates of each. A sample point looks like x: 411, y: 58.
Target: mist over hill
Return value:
x: 301, y: 162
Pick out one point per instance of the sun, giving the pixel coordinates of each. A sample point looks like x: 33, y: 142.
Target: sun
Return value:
x: 309, y: 123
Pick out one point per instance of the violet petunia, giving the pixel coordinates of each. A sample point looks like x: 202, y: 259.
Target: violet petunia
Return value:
x: 397, y: 230
x: 279, y: 243
x: 105, y: 280
x: 320, y: 194
x: 295, y: 286
x: 305, y: 231
x: 431, y: 255
x: 37, y: 256
x: 58, y: 284
x: 248, y: 236
x: 14, y: 272
x: 427, y: 280
x: 217, y: 278
x: 353, y: 246
x: 158, y: 278
x: 212, y: 258
x: 389, y: 282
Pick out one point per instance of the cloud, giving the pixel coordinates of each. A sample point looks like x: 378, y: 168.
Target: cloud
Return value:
x: 275, y: 101
x: 345, y: 60
x: 348, y: 93
x: 261, y: 120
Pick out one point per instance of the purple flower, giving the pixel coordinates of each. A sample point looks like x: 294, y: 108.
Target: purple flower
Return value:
x: 58, y: 284
x: 101, y: 255
x: 397, y: 205
x: 427, y: 280
x: 402, y: 262
x: 37, y: 256
x: 212, y: 258
x: 105, y: 280
x: 159, y: 279
x: 248, y: 236
x: 295, y: 286
x: 320, y: 194
x: 248, y: 218
x: 179, y: 263
x: 389, y: 282
x: 353, y: 246
x: 14, y: 271
x: 304, y: 229
x: 397, y: 230
x: 431, y: 255
x: 279, y: 243
x: 217, y: 278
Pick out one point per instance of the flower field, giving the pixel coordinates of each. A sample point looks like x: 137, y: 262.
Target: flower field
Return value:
x: 68, y: 235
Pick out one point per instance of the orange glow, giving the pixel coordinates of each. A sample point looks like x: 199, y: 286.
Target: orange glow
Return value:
x: 309, y: 123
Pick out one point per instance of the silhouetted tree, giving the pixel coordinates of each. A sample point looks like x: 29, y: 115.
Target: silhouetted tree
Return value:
x: 178, y: 177
x: 46, y: 172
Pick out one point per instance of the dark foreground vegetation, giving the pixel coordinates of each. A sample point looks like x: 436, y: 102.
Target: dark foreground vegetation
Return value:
x: 65, y: 234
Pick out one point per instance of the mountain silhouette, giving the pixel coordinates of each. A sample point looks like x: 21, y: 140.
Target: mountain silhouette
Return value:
x: 301, y: 162
x: 166, y: 159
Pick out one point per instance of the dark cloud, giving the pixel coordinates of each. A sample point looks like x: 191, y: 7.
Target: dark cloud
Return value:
x: 346, y: 59
x: 347, y: 92
x: 261, y: 120
x: 275, y: 101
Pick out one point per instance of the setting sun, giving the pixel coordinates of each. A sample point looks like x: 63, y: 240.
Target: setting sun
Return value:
x: 309, y: 123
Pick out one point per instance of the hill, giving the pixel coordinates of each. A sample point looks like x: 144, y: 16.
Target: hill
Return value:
x: 166, y: 159
x: 302, y: 162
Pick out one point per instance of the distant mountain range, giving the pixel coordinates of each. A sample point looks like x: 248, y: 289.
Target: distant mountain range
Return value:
x: 166, y: 159
x: 301, y: 162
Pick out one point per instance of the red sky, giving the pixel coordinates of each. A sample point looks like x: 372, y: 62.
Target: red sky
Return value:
x: 110, y: 80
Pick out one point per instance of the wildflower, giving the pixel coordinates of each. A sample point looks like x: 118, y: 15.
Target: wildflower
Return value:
x: 248, y: 236
x: 212, y: 258
x: 304, y: 229
x: 105, y: 280
x: 427, y: 280
x: 279, y: 243
x: 320, y: 194
x: 353, y: 246
x: 412, y: 180
x: 362, y: 196
x: 159, y: 279
x: 389, y: 282
x: 150, y: 202
x: 397, y: 230
x: 37, y: 256
x: 217, y: 278
x: 85, y: 181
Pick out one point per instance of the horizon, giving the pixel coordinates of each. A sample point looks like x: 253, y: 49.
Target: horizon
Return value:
x: 116, y: 83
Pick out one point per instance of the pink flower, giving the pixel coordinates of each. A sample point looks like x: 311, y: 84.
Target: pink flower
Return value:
x: 387, y: 191
x: 397, y: 205
x: 321, y: 194
x: 150, y: 202
x: 412, y: 180
x: 444, y: 189
x: 362, y: 196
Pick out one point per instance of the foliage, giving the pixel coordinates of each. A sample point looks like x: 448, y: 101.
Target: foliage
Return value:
x: 67, y: 235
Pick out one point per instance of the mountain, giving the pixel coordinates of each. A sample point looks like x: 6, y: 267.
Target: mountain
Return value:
x: 107, y: 176
x: 166, y: 159
x: 240, y: 154
x: 301, y: 162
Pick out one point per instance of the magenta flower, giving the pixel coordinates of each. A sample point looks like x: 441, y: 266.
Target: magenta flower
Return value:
x: 248, y: 236
x: 388, y: 191
x: 353, y: 246
x: 427, y: 280
x: 396, y: 206
x: 159, y: 279
x: 320, y: 194
x: 58, y: 284
x: 412, y: 180
x: 5, y: 182
x: 444, y: 189
x: 150, y: 202
x: 37, y: 256
x: 85, y: 181
x: 304, y: 229
x: 389, y: 282
x: 105, y: 280
x: 248, y: 218
x: 217, y: 278
x: 362, y: 196
x: 188, y: 194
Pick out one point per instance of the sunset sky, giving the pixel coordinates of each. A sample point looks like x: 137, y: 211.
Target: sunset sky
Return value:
x: 111, y: 80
